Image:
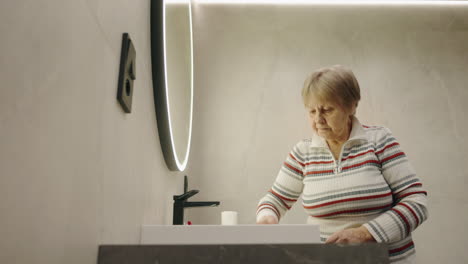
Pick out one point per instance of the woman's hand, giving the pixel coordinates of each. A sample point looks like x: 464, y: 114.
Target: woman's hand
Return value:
x: 267, y: 220
x: 351, y: 235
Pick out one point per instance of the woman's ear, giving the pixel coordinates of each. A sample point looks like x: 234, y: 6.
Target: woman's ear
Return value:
x: 353, y: 109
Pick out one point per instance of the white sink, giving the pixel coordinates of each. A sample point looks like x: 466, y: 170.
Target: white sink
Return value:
x: 235, y: 234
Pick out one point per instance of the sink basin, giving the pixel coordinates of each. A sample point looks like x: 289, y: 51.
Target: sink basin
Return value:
x: 229, y: 235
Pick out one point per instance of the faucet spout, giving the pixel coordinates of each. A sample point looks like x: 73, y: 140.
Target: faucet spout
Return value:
x: 201, y: 204
x: 185, y: 195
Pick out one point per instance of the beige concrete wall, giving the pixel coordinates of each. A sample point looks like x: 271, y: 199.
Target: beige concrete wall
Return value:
x: 75, y: 170
x: 251, y: 61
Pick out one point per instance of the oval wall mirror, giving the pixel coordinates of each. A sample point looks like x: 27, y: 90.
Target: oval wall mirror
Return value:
x: 172, y: 70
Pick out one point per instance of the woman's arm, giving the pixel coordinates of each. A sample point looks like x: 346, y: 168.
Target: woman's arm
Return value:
x: 285, y: 191
x: 410, y: 199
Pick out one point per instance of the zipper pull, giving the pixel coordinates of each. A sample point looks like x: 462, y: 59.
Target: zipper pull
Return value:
x: 337, y: 170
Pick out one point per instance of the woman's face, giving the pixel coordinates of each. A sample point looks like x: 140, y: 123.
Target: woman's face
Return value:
x: 329, y: 120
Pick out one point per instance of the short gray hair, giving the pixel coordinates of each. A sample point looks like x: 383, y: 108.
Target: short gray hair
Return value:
x: 335, y: 83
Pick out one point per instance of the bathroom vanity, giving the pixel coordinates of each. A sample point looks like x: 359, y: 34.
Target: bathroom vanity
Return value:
x: 247, y: 244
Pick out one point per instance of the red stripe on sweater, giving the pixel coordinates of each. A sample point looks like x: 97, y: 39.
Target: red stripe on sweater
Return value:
x: 360, y: 164
x: 349, y: 199
x: 357, y: 155
x: 318, y: 172
x: 386, y: 147
x: 366, y: 126
x: 319, y: 162
x: 282, y: 198
x: 300, y: 163
x: 404, y: 219
x: 401, y: 248
x: 292, y: 168
x: 393, y: 156
x: 354, y: 210
x: 271, y: 207
x: 412, y: 212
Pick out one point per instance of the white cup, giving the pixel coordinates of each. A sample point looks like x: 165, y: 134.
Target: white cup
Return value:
x: 229, y: 218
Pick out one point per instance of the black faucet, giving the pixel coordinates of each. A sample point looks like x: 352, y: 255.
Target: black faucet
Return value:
x: 180, y: 202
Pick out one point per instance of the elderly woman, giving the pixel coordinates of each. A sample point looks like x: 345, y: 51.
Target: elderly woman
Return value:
x: 356, y: 182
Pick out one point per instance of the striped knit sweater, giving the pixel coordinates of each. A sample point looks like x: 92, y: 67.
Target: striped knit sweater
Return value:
x: 372, y: 184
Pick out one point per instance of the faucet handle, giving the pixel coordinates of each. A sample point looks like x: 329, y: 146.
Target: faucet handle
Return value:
x: 185, y: 195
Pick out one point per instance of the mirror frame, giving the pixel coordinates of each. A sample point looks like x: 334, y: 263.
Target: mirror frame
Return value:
x: 161, y: 89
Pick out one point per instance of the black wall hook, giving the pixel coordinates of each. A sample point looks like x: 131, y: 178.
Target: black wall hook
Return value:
x: 127, y: 73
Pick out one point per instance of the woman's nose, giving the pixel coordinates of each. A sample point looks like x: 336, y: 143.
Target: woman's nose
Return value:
x: 319, y: 118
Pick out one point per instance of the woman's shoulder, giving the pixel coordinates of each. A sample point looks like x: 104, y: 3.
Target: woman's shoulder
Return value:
x: 308, y: 146
x: 376, y: 132
x: 302, y: 147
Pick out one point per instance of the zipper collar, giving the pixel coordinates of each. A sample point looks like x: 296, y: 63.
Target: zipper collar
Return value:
x: 357, y: 133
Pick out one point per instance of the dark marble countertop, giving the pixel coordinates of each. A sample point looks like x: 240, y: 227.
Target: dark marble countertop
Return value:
x: 371, y: 253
